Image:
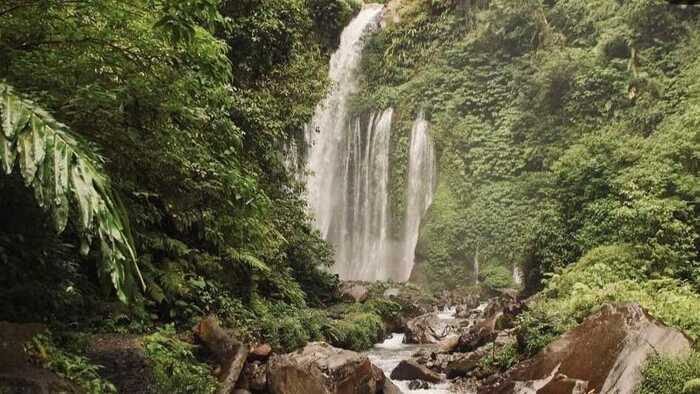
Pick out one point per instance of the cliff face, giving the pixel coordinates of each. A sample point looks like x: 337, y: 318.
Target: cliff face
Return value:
x: 512, y: 92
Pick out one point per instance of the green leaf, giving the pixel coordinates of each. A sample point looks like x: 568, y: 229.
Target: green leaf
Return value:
x: 68, y: 182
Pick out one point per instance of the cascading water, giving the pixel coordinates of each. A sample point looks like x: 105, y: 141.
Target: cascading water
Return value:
x: 360, y: 227
x: 517, y: 275
x: 348, y: 159
x: 476, y: 267
x: 349, y: 164
x: 419, y: 195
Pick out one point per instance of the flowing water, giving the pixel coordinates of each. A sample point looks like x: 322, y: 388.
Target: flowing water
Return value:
x: 419, y: 195
x: 388, y: 354
x: 361, y: 221
x: 475, y: 268
x: 348, y: 161
x: 517, y: 275
x: 329, y: 137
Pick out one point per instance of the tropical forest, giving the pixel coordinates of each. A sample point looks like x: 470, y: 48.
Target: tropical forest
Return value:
x: 350, y: 196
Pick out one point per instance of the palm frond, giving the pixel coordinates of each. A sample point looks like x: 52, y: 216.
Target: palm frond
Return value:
x: 67, y: 181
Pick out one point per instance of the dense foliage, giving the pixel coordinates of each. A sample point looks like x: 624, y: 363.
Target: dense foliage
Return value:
x: 560, y: 126
x: 175, y: 367
x: 568, y: 143
x: 666, y: 375
x: 174, y: 103
x: 143, y: 147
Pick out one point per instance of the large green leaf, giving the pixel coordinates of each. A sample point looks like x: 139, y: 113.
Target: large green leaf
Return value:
x: 68, y: 182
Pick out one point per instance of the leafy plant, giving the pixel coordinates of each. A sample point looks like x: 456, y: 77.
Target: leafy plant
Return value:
x: 67, y: 180
x: 73, y: 367
x: 175, y: 367
x: 501, y: 360
x: 670, y: 375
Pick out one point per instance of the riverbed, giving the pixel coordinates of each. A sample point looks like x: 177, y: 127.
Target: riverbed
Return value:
x: 388, y: 354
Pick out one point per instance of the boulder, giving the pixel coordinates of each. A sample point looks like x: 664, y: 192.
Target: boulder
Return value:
x: 260, y: 352
x: 390, y: 387
x: 498, y: 314
x: 418, y: 385
x: 320, y: 368
x: 604, y: 354
x: 463, y: 363
x: 412, y: 370
x: 392, y: 292
x: 230, y: 353
x: 124, y: 362
x: 354, y: 292
x: 448, y: 344
x: 428, y: 328
x: 253, y: 377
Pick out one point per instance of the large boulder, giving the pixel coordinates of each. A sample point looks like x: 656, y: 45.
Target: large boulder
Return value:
x: 498, y: 314
x: 604, y: 354
x: 354, y: 292
x: 412, y: 370
x: 320, y: 368
x: 429, y: 328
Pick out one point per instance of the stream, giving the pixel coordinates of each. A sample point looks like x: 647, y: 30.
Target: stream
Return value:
x: 388, y: 354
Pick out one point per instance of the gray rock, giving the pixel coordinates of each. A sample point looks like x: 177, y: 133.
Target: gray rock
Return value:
x: 320, y: 368
x: 412, y: 370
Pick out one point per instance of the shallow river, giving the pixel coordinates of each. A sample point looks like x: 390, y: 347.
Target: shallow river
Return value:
x: 388, y: 354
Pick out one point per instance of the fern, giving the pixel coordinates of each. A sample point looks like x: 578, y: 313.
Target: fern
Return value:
x: 67, y: 181
x: 249, y: 261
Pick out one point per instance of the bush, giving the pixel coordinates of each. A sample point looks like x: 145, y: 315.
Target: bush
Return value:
x: 534, y: 331
x: 501, y: 360
x: 72, y: 367
x: 175, y: 367
x: 288, y: 327
x: 496, y: 277
x: 357, y: 331
x: 670, y: 375
x: 692, y: 386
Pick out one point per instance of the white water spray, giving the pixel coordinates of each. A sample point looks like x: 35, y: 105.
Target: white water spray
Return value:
x: 517, y: 275
x: 476, y: 267
x: 348, y: 159
x: 421, y: 185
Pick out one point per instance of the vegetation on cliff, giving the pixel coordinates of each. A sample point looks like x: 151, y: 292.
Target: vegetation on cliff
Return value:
x: 143, y: 180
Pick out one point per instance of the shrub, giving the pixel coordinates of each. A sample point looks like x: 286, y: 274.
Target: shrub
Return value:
x: 73, y: 367
x: 287, y: 327
x: 692, y: 386
x: 501, y: 360
x: 175, y: 367
x: 534, y: 332
x: 496, y: 277
x: 615, y: 274
x: 357, y: 331
x: 671, y: 375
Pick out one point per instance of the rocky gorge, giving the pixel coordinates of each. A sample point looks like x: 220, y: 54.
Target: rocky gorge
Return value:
x: 455, y: 348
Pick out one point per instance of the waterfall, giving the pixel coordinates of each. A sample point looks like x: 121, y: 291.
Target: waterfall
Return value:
x: 348, y: 161
x: 476, y: 267
x: 517, y: 275
x: 328, y: 128
x: 349, y: 164
x: 359, y: 229
x: 419, y: 195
